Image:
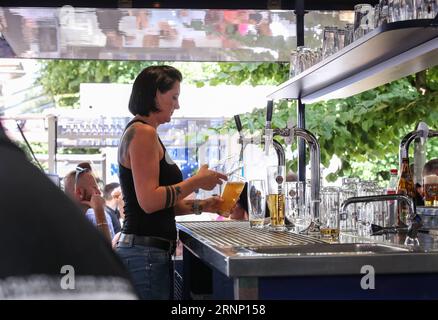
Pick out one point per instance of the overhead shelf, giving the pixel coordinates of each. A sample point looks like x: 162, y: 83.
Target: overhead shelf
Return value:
x: 385, y: 54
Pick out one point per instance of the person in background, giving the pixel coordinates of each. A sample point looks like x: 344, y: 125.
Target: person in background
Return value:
x: 112, y: 204
x: 431, y: 167
x: 48, y: 240
x: 152, y: 184
x: 418, y: 189
x: 80, y: 184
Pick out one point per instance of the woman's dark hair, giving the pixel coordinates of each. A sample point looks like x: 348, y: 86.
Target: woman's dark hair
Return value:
x: 144, y: 89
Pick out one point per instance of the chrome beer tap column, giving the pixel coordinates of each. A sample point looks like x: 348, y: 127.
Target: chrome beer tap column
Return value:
x: 315, y: 159
x: 244, y: 141
x: 411, y: 136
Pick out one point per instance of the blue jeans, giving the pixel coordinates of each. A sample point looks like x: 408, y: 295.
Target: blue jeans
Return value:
x: 150, y: 270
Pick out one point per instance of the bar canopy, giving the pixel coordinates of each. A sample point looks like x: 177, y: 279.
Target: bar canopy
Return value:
x: 244, y: 31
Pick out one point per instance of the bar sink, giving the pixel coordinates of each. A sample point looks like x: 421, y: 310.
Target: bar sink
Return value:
x: 328, y: 249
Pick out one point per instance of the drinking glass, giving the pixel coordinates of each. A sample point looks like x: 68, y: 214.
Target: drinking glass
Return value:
x: 381, y: 13
x: 349, y: 31
x: 340, y: 36
x: 348, y: 219
x: 256, y: 203
x: 430, y: 184
x: 401, y: 10
x: 293, y: 62
x: 426, y: 9
x: 230, y: 195
x: 329, y: 41
x: 329, y: 213
x: 295, y: 203
x: 276, y: 178
x: 363, y: 20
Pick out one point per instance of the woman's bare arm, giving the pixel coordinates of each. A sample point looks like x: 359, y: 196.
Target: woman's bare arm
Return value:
x: 141, y: 151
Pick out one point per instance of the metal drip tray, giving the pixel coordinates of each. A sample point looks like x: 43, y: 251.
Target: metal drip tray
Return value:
x: 236, y: 250
x: 239, y: 234
x: 328, y: 249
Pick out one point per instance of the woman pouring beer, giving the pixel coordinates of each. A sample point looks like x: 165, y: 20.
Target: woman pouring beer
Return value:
x: 152, y: 184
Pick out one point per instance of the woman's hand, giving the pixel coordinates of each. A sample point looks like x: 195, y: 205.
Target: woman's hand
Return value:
x: 208, y: 179
x: 96, y: 201
x: 211, y: 204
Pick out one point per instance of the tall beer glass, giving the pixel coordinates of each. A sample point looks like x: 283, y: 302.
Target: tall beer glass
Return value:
x: 275, y: 199
x: 231, y: 194
x: 329, y: 213
x: 256, y: 203
x: 430, y: 184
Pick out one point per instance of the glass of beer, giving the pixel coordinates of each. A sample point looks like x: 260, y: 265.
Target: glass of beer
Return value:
x: 329, y: 213
x: 275, y: 199
x: 256, y: 203
x: 230, y: 195
x: 430, y: 184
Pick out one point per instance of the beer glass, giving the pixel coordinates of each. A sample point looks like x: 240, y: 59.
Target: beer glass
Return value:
x: 381, y: 12
x: 256, y: 203
x: 275, y: 199
x: 296, y: 203
x: 340, y: 36
x: 349, y: 31
x: 363, y: 20
x: 329, y: 213
x: 430, y: 184
x: 230, y: 195
x: 426, y: 9
x: 401, y: 10
x: 329, y: 41
x: 349, y: 218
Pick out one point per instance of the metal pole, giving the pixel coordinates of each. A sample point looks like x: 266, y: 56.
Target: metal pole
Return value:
x: 52, y: 121
x: 301, y: 112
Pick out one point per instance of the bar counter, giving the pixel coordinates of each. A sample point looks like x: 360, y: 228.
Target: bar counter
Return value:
x: 244, y: 263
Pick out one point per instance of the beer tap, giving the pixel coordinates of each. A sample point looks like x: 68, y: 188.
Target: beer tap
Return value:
x: 268, y: 129
x: 289, y: 133
x: 257, y: 140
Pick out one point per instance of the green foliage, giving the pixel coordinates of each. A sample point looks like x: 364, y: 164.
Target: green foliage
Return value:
x: 257, y: 73
x: 364, y: 131
x: 61, y: 78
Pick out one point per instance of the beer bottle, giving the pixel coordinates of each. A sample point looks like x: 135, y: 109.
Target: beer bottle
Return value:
x: 405, y: 186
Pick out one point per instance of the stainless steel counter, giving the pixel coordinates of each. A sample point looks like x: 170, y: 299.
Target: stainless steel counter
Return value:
x: 236, y: 250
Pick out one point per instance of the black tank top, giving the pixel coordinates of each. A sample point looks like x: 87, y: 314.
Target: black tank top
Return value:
x: 157, y: 224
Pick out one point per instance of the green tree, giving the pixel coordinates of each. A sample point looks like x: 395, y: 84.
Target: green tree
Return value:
x: 61, y: 78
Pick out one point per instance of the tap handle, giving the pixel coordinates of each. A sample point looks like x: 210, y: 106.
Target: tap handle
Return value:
x: 238, y: 123
x: 269, y: 109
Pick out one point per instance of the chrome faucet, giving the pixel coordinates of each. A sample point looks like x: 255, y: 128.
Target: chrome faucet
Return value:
x: 413, y: 218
